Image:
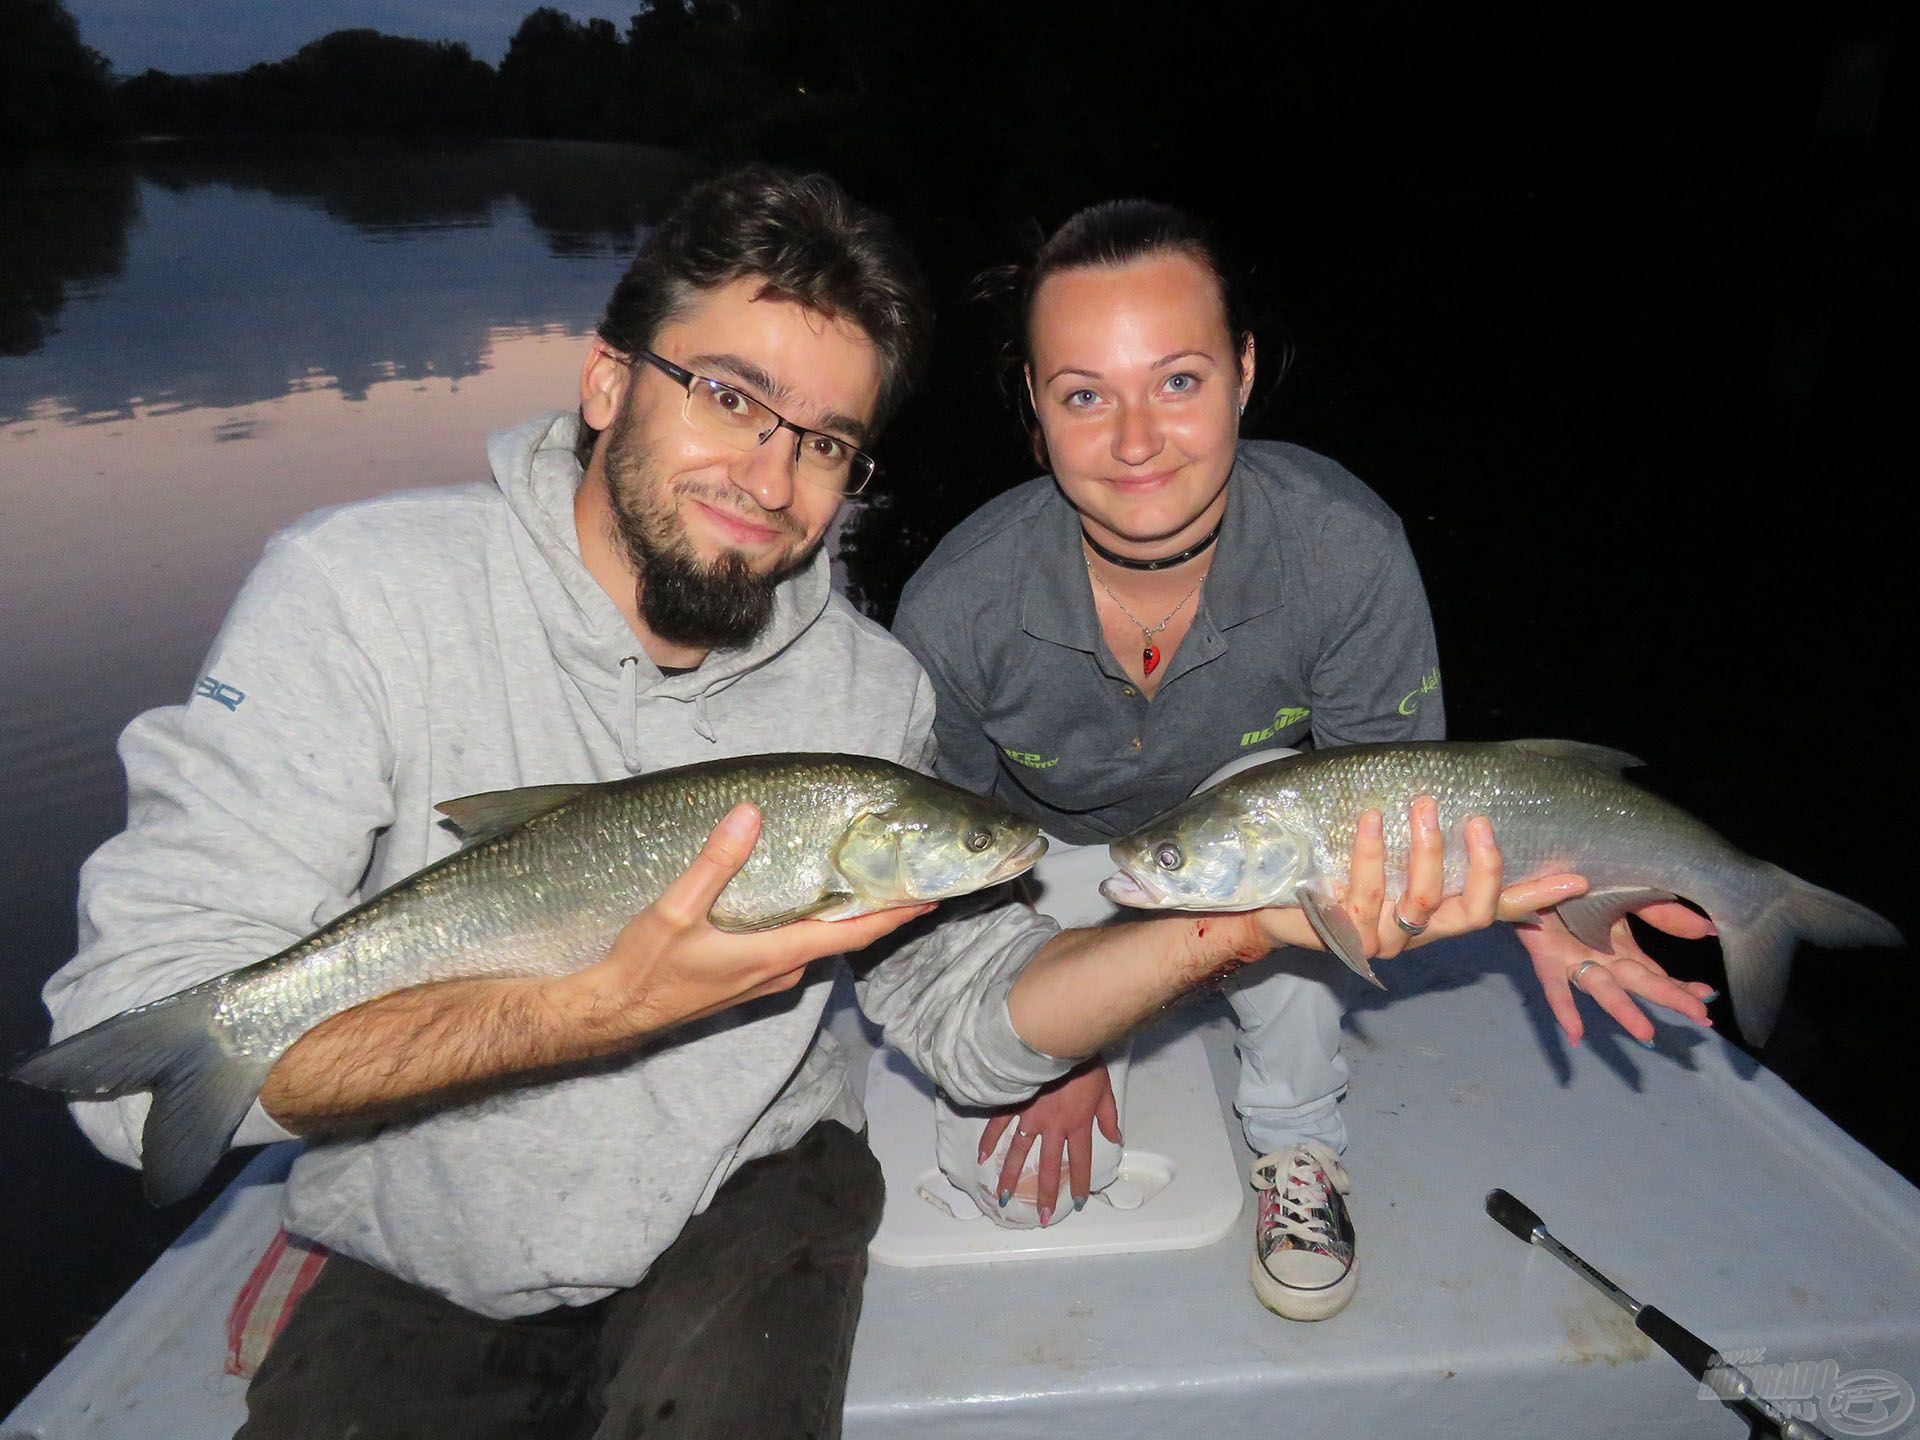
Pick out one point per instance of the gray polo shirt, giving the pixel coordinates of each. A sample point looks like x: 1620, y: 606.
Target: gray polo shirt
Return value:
x: 1312, y: 629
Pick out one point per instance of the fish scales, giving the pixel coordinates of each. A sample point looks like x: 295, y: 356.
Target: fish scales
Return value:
x: 1549, y: 815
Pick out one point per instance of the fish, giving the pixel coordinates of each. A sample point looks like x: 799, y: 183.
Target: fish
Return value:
x: 1282, y: 834
x: 548, y: 878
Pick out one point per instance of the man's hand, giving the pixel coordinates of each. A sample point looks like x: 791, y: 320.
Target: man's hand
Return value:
x: 1061, y: 1116
x: 1421, y: 905
x: 671, y: 965
x: 1615, y: 980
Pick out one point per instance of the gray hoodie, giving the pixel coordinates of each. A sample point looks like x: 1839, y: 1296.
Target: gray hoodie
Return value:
x: 389, y: 655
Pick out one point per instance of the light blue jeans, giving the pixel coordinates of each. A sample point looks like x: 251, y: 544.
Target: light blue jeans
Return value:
x: 1292, y: 1072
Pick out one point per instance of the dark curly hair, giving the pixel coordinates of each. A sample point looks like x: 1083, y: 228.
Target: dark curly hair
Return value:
x: 807, y: 239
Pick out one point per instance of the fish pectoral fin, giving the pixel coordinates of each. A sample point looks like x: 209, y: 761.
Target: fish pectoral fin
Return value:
x: 833, y: 905
x: 1591, y: 916
x: 1600, y: 757
x: 1336, y: 931
x: 495, y: 812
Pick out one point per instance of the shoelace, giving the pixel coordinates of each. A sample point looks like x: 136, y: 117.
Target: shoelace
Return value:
x: 1301, y: 1202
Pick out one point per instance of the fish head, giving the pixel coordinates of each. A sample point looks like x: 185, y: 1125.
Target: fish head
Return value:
x: 1211, y: 853
x: 932, y: 842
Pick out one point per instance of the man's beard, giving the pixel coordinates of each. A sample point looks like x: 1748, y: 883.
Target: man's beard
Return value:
x: 719, y: 604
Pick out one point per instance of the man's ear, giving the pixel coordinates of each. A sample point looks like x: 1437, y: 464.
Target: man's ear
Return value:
x: 604, y: 379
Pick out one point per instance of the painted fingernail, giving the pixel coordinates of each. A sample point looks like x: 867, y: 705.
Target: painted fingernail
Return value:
x: 1005, y: 1195
x: 1648, y: 1044
x: 1711, y: 995
x: 1079, y: 1202
x: 1046, y: 1215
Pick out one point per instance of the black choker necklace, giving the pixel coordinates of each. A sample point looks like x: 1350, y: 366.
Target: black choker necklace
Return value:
x: 1165, y: 562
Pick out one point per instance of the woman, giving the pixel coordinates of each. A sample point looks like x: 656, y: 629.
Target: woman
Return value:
x: 1168, y: 600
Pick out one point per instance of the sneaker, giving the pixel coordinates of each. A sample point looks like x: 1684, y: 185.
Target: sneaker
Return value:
x: 1303, y: 1262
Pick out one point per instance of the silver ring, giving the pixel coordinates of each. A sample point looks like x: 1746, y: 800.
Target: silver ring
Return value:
x: 1412, y: 930
x: 1574, y: 979
x: 1020, y: 1134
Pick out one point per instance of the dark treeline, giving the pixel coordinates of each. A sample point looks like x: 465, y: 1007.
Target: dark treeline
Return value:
x: 55, y: 92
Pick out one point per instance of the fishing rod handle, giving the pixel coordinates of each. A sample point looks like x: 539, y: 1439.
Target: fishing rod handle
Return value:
x: 1693, y: 1353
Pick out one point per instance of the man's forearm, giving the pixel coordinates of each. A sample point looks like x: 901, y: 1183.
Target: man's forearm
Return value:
x: 395, y: 1051
x: 1086, y: 988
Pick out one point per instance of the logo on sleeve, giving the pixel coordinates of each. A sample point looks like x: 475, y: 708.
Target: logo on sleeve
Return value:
x: 1284, y: 717
x: 219, y: 692
x: 1029, y: 759
x: 1429, y: 683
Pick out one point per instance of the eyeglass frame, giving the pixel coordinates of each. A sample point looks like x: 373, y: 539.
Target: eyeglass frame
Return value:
x: 689, y: 378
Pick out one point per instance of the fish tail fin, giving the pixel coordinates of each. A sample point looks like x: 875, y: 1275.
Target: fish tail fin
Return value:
x: 1758, y: 952
x: 171, y: 1047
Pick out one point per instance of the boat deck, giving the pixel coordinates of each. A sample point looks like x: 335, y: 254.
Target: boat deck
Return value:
x: 1695, y: 1180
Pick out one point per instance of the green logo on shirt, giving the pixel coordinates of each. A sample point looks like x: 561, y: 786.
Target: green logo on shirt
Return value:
x: 1283, y: 717
x: 1029, y: 759
x: 1429, y: 683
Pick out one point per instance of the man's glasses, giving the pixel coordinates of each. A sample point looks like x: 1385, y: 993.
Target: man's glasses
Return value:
x: 728, y: 413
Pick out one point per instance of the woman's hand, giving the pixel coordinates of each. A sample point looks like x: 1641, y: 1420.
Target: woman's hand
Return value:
x: 1618, y: 981
x: 1360, y: 926
x: 1060, y: 1117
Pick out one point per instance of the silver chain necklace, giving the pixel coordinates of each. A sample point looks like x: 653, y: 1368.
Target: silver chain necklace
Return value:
x: 1149, y: 652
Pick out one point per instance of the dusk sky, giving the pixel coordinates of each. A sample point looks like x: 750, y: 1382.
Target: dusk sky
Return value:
x: 192, y: 36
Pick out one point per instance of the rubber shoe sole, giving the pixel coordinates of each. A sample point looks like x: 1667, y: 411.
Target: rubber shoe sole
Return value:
x: 1296, y: 1303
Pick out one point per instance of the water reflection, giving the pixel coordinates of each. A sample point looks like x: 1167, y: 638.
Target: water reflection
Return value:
x: 62, y: 231
x: 248, y: 273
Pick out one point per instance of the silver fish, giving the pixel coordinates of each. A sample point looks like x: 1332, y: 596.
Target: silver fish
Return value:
x: 550, y: 876
x: 1282, y: 833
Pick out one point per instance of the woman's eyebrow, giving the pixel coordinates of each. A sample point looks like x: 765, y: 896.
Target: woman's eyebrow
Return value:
x: 1096, y: 375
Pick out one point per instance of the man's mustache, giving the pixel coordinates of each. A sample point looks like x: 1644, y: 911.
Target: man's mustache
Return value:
x: 745, y: 506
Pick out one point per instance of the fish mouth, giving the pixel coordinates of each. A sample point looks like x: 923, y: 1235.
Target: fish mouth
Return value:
x: 1020, y: 861
x: 1122, y: 889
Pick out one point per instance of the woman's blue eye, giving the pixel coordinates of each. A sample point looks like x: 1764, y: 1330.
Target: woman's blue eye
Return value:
x: 1080, y: 399
x: 1182, y: 382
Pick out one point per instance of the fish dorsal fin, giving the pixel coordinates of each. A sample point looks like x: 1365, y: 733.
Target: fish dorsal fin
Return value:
x: 1600, y: 757
x: 481, y: 817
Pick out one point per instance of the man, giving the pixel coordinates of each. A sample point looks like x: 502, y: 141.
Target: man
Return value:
x: 634, y: 1196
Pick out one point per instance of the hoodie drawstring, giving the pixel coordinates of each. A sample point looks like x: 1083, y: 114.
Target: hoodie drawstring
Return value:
x: 630, y: 713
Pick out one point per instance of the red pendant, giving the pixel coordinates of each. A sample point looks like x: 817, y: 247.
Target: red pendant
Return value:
x: 1149, y: 659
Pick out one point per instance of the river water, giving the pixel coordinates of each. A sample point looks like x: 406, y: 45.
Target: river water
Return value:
x: 196, y: 347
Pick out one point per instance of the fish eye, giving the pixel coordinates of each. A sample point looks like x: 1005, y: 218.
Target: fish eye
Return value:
x: 1168, y: 856
x: 978, y: 840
